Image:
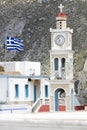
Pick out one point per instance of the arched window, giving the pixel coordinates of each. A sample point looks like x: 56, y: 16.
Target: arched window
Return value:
x: 56, y: 63
x: 63, y: 62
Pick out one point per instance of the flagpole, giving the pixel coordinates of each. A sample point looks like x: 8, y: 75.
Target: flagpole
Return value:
x: 5, y: 53
x: 5, y: 58
x: 7, y: 92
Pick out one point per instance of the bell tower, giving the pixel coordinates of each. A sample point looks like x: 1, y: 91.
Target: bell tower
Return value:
x: 61, y: 64
x: 61, y: 18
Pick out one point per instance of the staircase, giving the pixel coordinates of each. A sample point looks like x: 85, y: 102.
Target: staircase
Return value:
x: 44, y: 108
x: 37, y: 105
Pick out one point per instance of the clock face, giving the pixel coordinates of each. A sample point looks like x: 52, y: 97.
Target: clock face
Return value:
x: 59, y: 40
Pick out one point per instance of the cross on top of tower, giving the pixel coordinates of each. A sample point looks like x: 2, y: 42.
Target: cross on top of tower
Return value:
x: 61, y: 7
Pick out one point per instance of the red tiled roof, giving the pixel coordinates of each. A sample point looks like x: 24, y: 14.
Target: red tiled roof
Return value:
x: 61, y: 14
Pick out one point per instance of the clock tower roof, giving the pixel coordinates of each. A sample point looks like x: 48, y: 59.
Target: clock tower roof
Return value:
x: 61, y: 15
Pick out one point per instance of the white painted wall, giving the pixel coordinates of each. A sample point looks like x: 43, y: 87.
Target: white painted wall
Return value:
x: 25, y: 67
x: 21, y: 82
x: 3, y: 89
x: 8, y: 82
x: 43, y: 83
x: 31, y: 92
x: 32, y: 67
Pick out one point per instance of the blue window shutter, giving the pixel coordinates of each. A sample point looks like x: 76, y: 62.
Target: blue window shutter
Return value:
x: 16, y: 90
x: 46, y: 91
x: 26, y: 91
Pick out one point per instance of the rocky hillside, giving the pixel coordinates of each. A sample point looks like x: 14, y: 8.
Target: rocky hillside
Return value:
x: 81, y: 85
x: 31, y: 21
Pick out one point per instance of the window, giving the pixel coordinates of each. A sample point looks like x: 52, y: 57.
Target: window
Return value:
x: 63, y: 62
x: 26, y: 91
x: 16, y: 90
x: 56, y: 63
x: 60, y: 25
x: 46, y: 91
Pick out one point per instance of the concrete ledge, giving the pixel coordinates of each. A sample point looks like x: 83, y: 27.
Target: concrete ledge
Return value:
x: 44, y: 121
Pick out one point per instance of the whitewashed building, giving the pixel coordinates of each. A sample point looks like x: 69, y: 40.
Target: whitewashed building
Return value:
x: 21, y: 83
x: 25, y: 67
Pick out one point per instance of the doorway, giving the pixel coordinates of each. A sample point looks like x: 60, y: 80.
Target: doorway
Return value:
x: 36, y: 90
x: 60, y: 100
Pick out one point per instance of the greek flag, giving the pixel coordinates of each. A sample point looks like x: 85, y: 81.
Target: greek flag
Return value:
x: 14, y: 44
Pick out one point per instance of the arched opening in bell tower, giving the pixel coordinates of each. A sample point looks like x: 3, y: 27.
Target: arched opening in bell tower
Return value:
x: 56, y: 64
x: 60, y: 96
x: 63, y: 60
x: 56, y: 67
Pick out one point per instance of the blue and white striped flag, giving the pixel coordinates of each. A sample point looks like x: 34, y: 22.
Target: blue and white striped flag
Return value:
x: 14, y: 44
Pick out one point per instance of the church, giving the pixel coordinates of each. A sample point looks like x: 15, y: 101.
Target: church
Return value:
x: 24, y: 84
x: 61, y: 63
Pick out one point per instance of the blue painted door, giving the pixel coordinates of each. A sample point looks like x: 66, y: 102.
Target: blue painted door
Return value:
x: 35, y: 93
x: 56, y: 100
